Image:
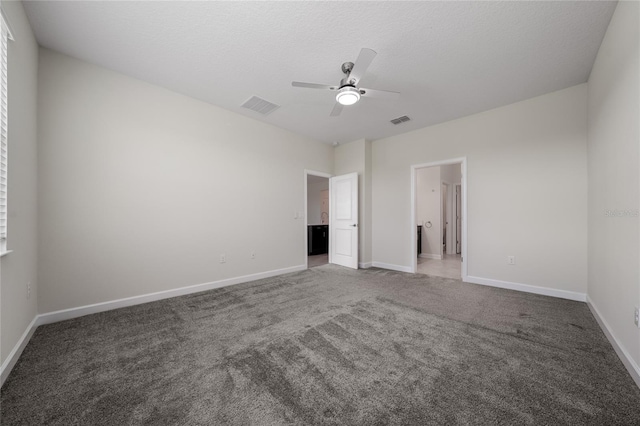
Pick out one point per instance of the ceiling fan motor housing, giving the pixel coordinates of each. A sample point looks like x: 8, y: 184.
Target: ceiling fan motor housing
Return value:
x: 347, y: 81
x: 347, y: 67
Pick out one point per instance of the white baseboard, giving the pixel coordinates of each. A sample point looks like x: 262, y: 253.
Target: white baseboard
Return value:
x: 629, y: 363
x: 392, y: 267
x: 12, y: 359
x: 364, y: 265
x: 562, y: 294
x: 66, y: 314
x: 430, y: 256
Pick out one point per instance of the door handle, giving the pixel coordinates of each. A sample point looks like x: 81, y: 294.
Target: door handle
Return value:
x: 354, y: 225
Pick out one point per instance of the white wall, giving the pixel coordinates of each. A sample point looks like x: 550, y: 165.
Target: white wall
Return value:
x: 527, y: 189
x: 19, y: 268
x: 314, y: 202
x: 428, y: 196
x: 356, y: 157
x: 614, y: 178
x: 142, y: 189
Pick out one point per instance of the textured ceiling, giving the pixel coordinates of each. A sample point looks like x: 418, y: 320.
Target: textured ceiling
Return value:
x: 448, y: 59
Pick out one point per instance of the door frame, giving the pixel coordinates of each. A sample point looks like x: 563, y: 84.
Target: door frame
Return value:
x: 455, y: 218
x: 306, y: 204
x: 444, y: 220
x: 412, y: 235
x: 451, y: 216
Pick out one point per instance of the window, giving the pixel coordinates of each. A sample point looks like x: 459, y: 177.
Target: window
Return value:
x: 6, y: 35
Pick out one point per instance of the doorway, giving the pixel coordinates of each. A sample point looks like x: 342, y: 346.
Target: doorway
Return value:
x: 458, y: 219
x: 317, y: 218
x: 438, y: 211
x: 444, y: 205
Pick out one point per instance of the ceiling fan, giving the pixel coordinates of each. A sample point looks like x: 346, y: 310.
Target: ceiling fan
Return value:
x: 348, y: 92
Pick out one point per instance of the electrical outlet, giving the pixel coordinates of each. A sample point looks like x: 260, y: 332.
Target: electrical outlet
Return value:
x: 253, y: 254
x: 636, y: 317
x: 29, y: 290
x: 223, y: 258
x: 511, y: 260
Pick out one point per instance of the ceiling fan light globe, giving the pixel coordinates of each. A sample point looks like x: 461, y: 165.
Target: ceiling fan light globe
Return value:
x: 348, y: 96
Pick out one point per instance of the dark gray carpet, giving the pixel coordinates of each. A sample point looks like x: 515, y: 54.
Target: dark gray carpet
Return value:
x: 327, y: 346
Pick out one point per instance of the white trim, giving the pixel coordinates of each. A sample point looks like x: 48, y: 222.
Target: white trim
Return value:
x: 454, y: 218
x: 15, y: 353
x: 5, y: 20
x: 365, y: 265
x: 625, y: 357
x: 306, y: 218
x: 4, y: 142
x: 447, y: 216
x: 442, y: 219
x: 399, y: 268
x: 463, y: 182
x: 66, y: 314
x: 430, y: 256
x: 4, y: 253
x: 527, y: 288
x: 70, y: 313
x: 451, y: 216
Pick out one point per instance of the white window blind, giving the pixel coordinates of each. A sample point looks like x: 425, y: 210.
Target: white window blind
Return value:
x: 3, y: 134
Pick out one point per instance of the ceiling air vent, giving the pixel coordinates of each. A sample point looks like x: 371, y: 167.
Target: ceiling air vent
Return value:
x: 260, y: 105
x: 399, y: 120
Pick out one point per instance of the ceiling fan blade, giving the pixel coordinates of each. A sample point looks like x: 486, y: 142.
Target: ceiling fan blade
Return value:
x: 337, y: 109
x: 380, y: 94
x: 361, y: 64
x: 312, y: 85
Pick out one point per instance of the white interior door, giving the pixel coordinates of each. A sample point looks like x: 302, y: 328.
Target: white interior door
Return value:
x: 343, y: 220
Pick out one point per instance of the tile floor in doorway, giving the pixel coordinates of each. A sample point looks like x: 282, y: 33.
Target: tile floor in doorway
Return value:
x: 449, y: 267
x: 317, y: 260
